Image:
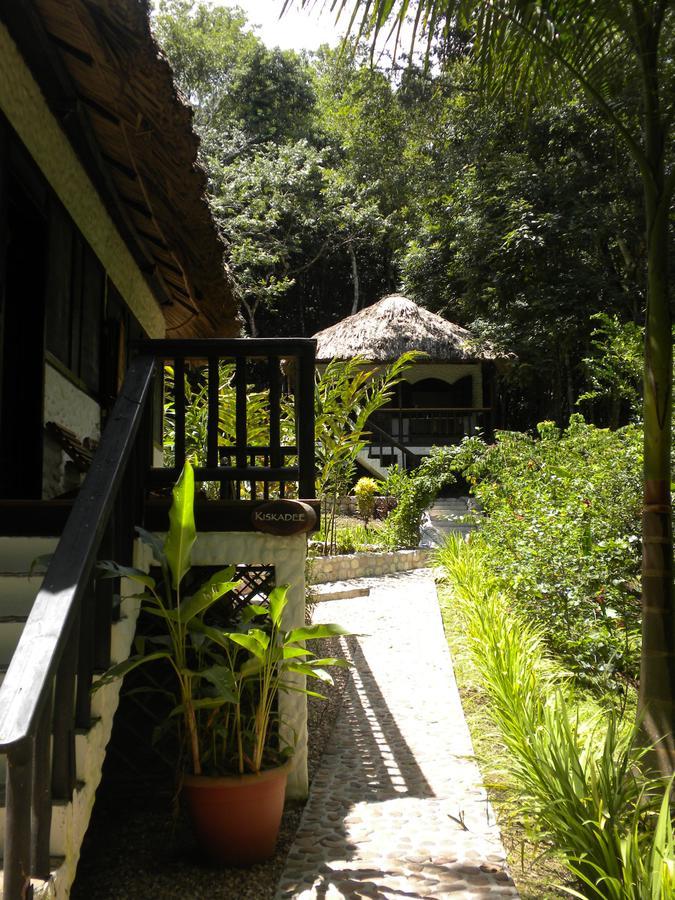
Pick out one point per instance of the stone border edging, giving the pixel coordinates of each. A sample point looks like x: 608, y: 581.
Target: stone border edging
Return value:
x: 364, y: 565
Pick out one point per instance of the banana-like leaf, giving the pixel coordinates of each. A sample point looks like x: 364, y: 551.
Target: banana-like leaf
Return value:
x: 222, y: 680
x: 248, y: 642
x: 278, y: 600
x: 310, y: 671
x: 202, y: 703
x: 333, y: 661
x: 109, y: 569
x: 295, y: 652
x: 251, y: 667
x: 310, y: 632
x: 182, y: 532
x: 253, y: 611
x: 121, y: 669
x: 204, y: 598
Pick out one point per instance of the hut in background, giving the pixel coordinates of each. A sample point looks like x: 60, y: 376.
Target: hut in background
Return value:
x: 447, y: 394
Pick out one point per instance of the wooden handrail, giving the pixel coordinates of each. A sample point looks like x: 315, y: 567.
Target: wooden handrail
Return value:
x: 388, y: 440
x: 36, y: 657
x: 434, y: 409
x: 46, y: 689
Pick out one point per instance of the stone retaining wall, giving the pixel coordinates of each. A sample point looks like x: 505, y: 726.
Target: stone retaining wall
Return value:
x: 362, y: 565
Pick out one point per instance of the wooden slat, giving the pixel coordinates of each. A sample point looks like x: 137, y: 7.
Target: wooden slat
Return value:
x: 179, y: 410
x: 42, y: 794
x: 275, y: 411
x: 305, y: 423
x: 240, y: 415
x: 63, y: 729
x: 16, y: 866
x: 213, y: 413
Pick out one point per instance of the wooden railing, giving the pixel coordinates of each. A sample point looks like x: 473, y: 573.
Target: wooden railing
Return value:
x: 46, y: 693
x: 432, y: 426
x: 246, y: 435
x: 45, y: 696
x: 383, y: 445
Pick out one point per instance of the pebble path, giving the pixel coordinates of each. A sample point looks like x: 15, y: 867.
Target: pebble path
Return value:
x: 397, y: 808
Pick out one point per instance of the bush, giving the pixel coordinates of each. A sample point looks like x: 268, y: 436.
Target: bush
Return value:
x: 561, y: 534
x: 365, y: 491
x: 414, y: 492
x: 578, y: 779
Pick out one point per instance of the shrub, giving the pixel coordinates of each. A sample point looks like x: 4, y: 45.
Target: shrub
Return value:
x: 414, y: 492
x: 561, y: 535
x: 365, y: 491
x: 578, y: 780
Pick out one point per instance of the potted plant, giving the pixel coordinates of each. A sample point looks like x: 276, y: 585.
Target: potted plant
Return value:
x: 227, y: 683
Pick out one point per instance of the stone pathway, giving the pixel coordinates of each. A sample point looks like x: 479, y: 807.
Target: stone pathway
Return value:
x: 397, y: 808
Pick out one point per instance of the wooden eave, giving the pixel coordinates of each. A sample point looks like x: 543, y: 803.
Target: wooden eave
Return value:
x: 108, y: 84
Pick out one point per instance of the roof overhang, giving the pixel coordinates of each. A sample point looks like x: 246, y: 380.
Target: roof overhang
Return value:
x: 112, y: 91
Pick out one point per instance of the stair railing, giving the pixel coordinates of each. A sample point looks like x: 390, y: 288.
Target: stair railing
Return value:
x: 384, y: 440
x: 45, y: 696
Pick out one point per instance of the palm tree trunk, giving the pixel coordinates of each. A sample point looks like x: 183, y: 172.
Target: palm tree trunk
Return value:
x: 657, y: 668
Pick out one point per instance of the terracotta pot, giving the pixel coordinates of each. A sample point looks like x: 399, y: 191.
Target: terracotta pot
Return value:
x: 236, y: 818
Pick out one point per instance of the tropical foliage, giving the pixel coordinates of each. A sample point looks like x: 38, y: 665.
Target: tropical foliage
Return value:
x: 574, y: 766
x: 561, y: 532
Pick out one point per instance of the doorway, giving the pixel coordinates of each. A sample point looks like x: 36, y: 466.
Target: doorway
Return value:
x: 23, y: 245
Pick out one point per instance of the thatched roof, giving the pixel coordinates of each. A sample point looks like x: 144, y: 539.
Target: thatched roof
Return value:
x: 107, y: 82
x: 392, y: 326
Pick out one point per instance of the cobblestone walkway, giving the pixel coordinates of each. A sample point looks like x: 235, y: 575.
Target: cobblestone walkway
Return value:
x: 397, y: 808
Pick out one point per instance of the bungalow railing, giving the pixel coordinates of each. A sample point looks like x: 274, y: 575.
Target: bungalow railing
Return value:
x: 45, y: 696
x: 386, y: 449
x: 248, y: 437
x: 429, y: 426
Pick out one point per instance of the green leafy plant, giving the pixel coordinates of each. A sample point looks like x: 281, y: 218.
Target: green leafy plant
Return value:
x: 561, y: 533
x: 414, y: 492
x: 576, y: 767
x: 365, y: 491
x: 227, y: 681
x: 346, y: 396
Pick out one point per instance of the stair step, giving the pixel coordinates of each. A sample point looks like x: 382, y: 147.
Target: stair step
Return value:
x: 10, y: 632
x: 18, y: 593
x: 17, y: 554
x: 338, y: 591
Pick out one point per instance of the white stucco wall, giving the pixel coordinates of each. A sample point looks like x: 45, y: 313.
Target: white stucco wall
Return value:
x: 287, y: 555
x: 72, y: 408
x: 26, y: 109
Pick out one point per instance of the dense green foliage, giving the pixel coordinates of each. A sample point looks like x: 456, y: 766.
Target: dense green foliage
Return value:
x: 575, y: 767
x: 335, y: 183
x: 561, y: 532
x: 414, y: 491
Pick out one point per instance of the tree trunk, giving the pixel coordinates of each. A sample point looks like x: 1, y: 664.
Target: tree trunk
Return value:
x: 250, y: 309
x: 657, y: 668
x: 355, y: 279
x: 656, y: 705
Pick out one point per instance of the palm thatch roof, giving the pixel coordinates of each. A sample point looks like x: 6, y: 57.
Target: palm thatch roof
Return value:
x: 394, y: 325
x: 106, y: 80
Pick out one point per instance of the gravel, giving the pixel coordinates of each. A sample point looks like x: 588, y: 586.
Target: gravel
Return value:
x: 137, y: 846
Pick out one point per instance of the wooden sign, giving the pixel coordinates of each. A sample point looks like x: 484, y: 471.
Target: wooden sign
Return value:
x: 283, y: 517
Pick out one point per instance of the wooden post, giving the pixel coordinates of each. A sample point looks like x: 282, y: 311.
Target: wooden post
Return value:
x: 42, y: 793
x: 304, y: 417
x: 16, y: 878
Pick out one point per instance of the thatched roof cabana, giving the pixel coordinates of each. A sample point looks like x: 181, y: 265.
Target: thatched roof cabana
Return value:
x: 111, y: 88
x: 394, y: 325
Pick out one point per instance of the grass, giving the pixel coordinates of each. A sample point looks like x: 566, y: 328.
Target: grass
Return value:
x: 352, y: 536
x: 534, y: 869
